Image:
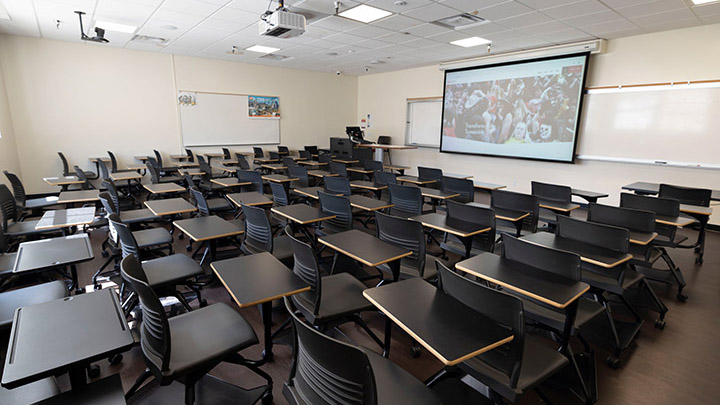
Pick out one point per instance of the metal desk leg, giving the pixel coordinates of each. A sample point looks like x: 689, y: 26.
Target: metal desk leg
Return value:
x: 267, y: 353
x: 388, y: 330
x: 395, y: 268
x: 379, y: 154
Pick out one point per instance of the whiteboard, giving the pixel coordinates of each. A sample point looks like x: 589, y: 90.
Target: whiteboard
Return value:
x: 222, y: 119
x: 423, y: 122
x: 673, y: 124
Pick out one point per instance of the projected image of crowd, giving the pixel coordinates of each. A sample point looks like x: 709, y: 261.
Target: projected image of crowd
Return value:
x: 534, y: 109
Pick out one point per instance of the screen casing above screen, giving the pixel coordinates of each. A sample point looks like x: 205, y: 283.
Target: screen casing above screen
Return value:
x: 527, y: 109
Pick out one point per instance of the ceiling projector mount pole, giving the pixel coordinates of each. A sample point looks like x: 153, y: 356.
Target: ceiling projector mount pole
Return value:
x: 99, y: 32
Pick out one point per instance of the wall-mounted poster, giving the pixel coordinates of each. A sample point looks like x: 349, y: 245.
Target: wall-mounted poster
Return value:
x: 263, y: 107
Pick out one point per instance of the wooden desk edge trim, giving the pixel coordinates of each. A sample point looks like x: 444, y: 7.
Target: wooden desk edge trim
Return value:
x: 185, y: 211
x: 250, y: 304
x: 356, y: 205
x: 462, y: 235
x: 361, y: 260
x: 238, y: 204
x: 177, y: 190
x: 306, y: 194
x: 645, y: 242
x: 504, y: 218
x: 225, y: 235
x: 488, y: 188
x: 688, y: 221
x: 627, y: 257
x: 302, y: 222
x: 551, y: 208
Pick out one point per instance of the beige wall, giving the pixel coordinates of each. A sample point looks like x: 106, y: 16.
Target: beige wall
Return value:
x: 85, y: 99
x: 8, y: 148
x: 688, y: 54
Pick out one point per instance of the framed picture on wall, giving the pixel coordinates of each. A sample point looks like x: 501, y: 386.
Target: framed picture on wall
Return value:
x: 263, y: 107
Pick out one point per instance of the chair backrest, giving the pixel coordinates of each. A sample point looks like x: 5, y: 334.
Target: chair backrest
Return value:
x: 204, y: 167
x: 158, y: 157
x: 104, y: 173
x: 108, y: 203
x: 113, y: 162
x: 338, y: 206
x: 407, y: 199
x: 305, y: 154
x: 630, y: 218
x: 605, y: 236
x: 8, y: 206
x: 81, y: 176
x: 327, y: 371
x: 283, y: 149
x: 189, y: 182
x: 226, y: 154
x: 381, y: 178
x: 274, y: 155
x: 553, y: 192
x: 373, y: 165
x: 128, y: 244
x: 484, y: 217
x: 659, y: 205
x: 464, y: 187
x: 502, y: 308
x: 406, y: 234
x: 259, y: 154
x: 4, y: 244
x: 338, y: 168
x: 280, y: 197
x: 18, y: 189
x: 65, y: 165
x: 325, y: 158
x: 565, y: 264
x: 312, y: 149
x: 154, y: 329
x: 191, y: 157
x: 154, y: 172
x: 687, y: 195
x: 430, y: 173
x: 299, y: 172
x: 200, y: 202
x: 362, y: 154
x: 337, y: 185
x: 253, y: 177
x: 258, y: 233
x: 242, y: 161
x: 518, y: 202
x: 109, y: 185
x: 306, y: 267
x: 384, y: 140
x: 288, y: 161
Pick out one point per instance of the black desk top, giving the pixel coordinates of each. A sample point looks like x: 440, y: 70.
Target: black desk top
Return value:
x: 170, y: 206
x: 62, y: 181
x: 67, y: 197
x: 108, y: 391
x: 311, y: 192
x: 163, y: 188
x: 505, y: 214
x: 487, y: 186
x: 414, y: 180
x: 359, y: 170
x: 682, y: 220
x: 366, y: 185
x: 437, y: 194
x: 258, y: 278
x: 52, y: 337
x: 368, y: 204
x: 279, y: 178
x: 644, y: 187
x: 206, y: 228
x: 311, y: 163
x: 451, y: 225
x: 230, y: 182
x: 264, y: 160
x: 557, y: 205
x: 251, y: 198
x: 65, y: 218
x: 642, y: 238
x: 302, y: 214
x: 54, y: 252
x: 447, y: 328
x: 540, y: 285
x: 691, y: 209
x: 274, y: 166
x: 346, y: 161
x: 588, y: 253
x: 588, y: 194
x: 363, y: 247
x: 321, y: 173
x: 120, y: 176
x: 458, y: 176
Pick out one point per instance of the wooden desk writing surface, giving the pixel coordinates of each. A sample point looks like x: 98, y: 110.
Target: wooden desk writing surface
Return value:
x: 302, y: 214
x: 62, y: 181
x: 136, y: 167
x: 346, y: 161
x: 311, y: 163
x: 163, y: 188
x: 588, y: 253
x: 448, y: 329
x: 363, y: 247
x: 66, y: 218
x: 311, y: 192
x: 170, y: 206
x: 505, y: 214
x: 681, y: 221
x: 67, y: 197
x: 186, y: 164
x: 436, y: 194
x: 456, y: 227
x: 359, y: 170
x: 99, y: 159
x: 258, y: 278
x: 368, y: 185
x: 696, y: 209
x: 644, y: 187
x: 230, y: 182
x: 458, y: 176
x: 557, y: 205
x: 546, y: 287
x: 487, y: 186
x: 206, y: 228
x: 279, y: 178
x: 274, y: 166
x: 368, y: 204
x: 180, y: 157
x: 141, y: 158
x: 591, y: 196
x: 321, y: 173
x: 251, y: 198
x: 642, y: 238
x: 414, y: 180
x: 121, y: 176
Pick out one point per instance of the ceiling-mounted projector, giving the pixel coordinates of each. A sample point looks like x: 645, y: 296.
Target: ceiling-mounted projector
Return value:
x: 282, y: 24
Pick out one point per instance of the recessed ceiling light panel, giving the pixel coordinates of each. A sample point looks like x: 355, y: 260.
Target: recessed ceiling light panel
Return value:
x: 460, y: 21
x: 699, y: 2
x: 262, y: 49
x: 470, y: 42
x: 365, y: 13
x: 111, y: 26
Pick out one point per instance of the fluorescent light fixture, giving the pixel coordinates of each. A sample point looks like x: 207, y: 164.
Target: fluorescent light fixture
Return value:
x: 699, y: 2
x: 472, y: 41
x: 110, y: 26
x: 365, y: 13
x: 262, y: 49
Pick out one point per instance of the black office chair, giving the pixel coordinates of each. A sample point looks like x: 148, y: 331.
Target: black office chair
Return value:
x: 15, y: 227
x: 255, y: 178
x: 259, y: 235
x: 25, y: 205
x: 313, y: 149
x: 7, y: 259
x: 305, y: 155
x: 114, y: 164
x: 385, y: 140
x: 325, y: 158
x: 189, y: 153
x: 283, y: 150
x: 226, y: 154
x: 242, y: 162
x: 382, y: 179
x: 164, y: 170
x: 338, y: 168
x: 373, y: 165
x: 210, y: 206
x: 185, y: 347
x: 66, y: 168
x: 258, y: 152
x: 338, y: 205
x: 518, y: 366
x: 691, y: 196
x: 551, y: 192
x: 406, y: 234
x: 287, y: 161
x: 156, y: 176
x: 299, y: 172
x: 431, y: 173
x: 408, y: 200
x: 337, y: 185
x: 464, y: 187
x: 208, y: 172
x: 104, y: 172
x: 516, y: 203
x: 86, y: 185
x: 274, y: 156
x: 483, y: 217
x: 133, y: 216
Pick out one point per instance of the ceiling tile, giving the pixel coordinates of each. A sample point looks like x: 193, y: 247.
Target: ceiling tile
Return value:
x: 575, y: 9
x: 368, y: 31
x: 426, y: 30
x: 671, y: 25
x: 396, y: 38
x: 651, y: 8
x: 239, y: 17
x: 590, y: 19
x: 524, y: 20
x: 612, y: 26
x: 503, y: 10
x: 390, y: 5
x: 336, y: 23
x: 567, y: 36
x: 325, y: 6
x: 616, y: 4
x: 451, y: 36
x: 543, y: 4
x: 470, y: 5
x: 421, y: 43
x: 432, y: 12
x: 344, y: 38
x: 711, y: 19
x: 397, y: 22
x: 191, y: 7
x: 372, y: 44
x: 664, y: 18
x: 544, y: 28
x: 706, y: 9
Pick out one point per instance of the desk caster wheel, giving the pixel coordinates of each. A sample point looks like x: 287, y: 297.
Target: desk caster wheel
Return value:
x: 188, y: 248
x: 115, y: 360
x: 613, y: 362
x: 181, y: 236
x: 681, y: 297
x: 105, y: 254
x: 93, y: 371
x: 415, y: 351
x: 660, y: 324
x: 203, y: 303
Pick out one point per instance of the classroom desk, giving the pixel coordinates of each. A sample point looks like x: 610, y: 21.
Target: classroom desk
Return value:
x: 321, y: 173
x: 311, y: 192
x: 208, y: 229
x: 368, y: 204
x: 98, y: 161
x: 505, y: 214
x: 122, y: 176
x: 229, y: 162
x: 170, y: 206
x: 366, y: 249
x: 560, y: 207
x: 137, y: 168
x: 64, y: 336
x: 302, y: 214
x: 142, y: 158
x: 346, y: 161
x: 368, y: 185
x: 264, y: 160
x: 274, y: 167
x: 415, y: 180
x: 210, y: 156
x: 180, y: 157
x: 679, y: 221
x: 588, y: 253
x: 186, y: 164
x: 251, y: 198
x: 53, y: 253
x: 63, y: 182
x: 642, y: 238
x: 69, y: 197
x: 447, y: 328
x: 380, y: 149
x: 279, y: 178
x: 191, y: 172
x: 458, y: 176
x: 56, y: 219
x: 312, y: 163
x: 230, y: 182
x: 589, y: 196
x: 399, y: 169
x: 647, y: 188
x: 436, y: 196
x: 359, y: 170
x: 163, y: 188
x: 463, y: 230
x: 259, y: 279
x: 487, y: 186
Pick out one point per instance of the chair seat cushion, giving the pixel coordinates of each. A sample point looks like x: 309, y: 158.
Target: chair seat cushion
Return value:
x: 206, y: 336
x: 170, y: 270
x: 218, y: 204
x: 282, y: 248
x: 540, y: 361
x: 394, y: 385
x: 37, y: 294
x: 152, y: 237
x: 341, y: 296
x: 135, y: 216
x: 25, y: 228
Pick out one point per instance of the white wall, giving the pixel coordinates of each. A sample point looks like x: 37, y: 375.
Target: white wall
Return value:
x: 8, y: 147
x: 687, y: 54
x: 85, y: 99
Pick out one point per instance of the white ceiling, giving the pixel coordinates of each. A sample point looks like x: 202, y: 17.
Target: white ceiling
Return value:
x: 209, y: 28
